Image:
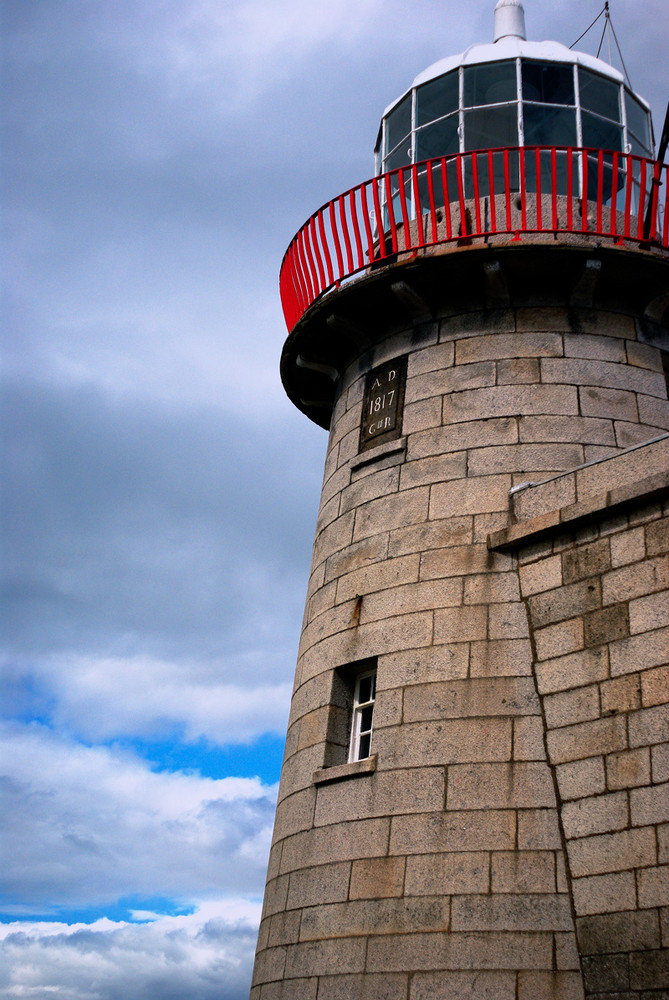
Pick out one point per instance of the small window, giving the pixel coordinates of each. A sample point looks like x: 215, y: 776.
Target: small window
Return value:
x: 363, y: 716
x: 350, y: 712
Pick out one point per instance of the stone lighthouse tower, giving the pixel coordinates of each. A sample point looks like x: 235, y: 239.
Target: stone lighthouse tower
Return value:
x: 473, y: 802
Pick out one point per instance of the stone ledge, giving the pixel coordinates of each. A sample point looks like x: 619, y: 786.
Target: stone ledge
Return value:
x: 533, y: 499
x: 611, y: 502
x: 381, y: 451
x: 354, y: 769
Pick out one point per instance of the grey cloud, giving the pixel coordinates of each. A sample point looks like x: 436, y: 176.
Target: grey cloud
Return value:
x: 164, y: 530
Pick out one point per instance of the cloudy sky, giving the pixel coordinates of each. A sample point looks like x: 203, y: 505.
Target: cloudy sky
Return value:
x: 159, y: 490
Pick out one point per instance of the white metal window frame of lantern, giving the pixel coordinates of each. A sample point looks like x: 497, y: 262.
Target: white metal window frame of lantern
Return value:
x: 496, y: 93
x: 362, y: 718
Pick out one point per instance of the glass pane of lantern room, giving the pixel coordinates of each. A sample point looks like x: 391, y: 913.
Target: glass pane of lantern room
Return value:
x: 444, y: 185
x: 398, y: 123
x: 546, y: 126
x: 437, y: 98
x: 637, y: 121
x: 549, y: 83
x: 599, y: 94
x: 438, y: 139
x: 598, y: 134
x: 635, y: 146
x: 490, y: 83
x: 490, y: 128
x: 399, y: 157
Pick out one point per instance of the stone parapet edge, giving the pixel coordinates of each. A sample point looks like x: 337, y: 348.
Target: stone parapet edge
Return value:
x: 613, y: 501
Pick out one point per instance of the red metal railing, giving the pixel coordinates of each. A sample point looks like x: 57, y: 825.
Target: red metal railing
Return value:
x: 530, y: 189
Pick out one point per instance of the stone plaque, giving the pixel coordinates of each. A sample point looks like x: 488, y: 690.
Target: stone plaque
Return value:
x: 383, y: 403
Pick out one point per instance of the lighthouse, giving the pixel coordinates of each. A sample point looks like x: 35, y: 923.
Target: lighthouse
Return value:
x: 474, y: 794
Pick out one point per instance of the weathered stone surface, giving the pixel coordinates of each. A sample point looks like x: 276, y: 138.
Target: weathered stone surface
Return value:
x: 467, y: 950
x: 612, y: 852
x: 499, y: 786
x: 654, y: 886
x: 326, y: 883
x: 384, y: 793
x: 394, y: 511
x: 470, y: 496
x: 459, y: 437
x: 649, y: 805
x: 595, y: 815
x: 567, y: 985
x: 617, y: 932
x: 450, y: 741
x: 476, y: 697
x: 506, y: 677
x: 374, y: 916
x: 523, y: 872
x: 628, y: 768
x: 528, y: 738
x: 581, y: 778
x: 501, y: 658
x: 325, y: 957
x: 445, y: 874
x: 568, y: 707
x: 511, y: 912
x: 374, y: 878
x: 510, y: 400
x: 604, y: 893
x: 463, y: 986
x: 429, y: 833
x: 368, y: 986
x: 340, y: 842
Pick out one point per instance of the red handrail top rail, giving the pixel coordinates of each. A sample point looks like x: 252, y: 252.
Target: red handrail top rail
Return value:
x: 482, y: 193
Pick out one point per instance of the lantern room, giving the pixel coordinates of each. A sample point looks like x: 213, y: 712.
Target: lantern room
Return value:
x: 510, y: 93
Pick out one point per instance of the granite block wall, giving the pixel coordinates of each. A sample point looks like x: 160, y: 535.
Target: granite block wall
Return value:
x: 594, y: 576
x: 468, y: 857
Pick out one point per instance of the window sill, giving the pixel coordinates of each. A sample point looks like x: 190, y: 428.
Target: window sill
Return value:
x: 381, y: 451
x: 354, y: 769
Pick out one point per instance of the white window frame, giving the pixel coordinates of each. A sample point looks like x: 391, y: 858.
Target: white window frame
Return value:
x: 356, y: 719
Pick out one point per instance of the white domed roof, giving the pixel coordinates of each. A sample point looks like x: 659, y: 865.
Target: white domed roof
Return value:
x: 513, y: 47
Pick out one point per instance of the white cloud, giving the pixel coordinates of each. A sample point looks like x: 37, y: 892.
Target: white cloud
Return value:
x: 85, y: 826
x: 110, y: 697
x: 204, y: 956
